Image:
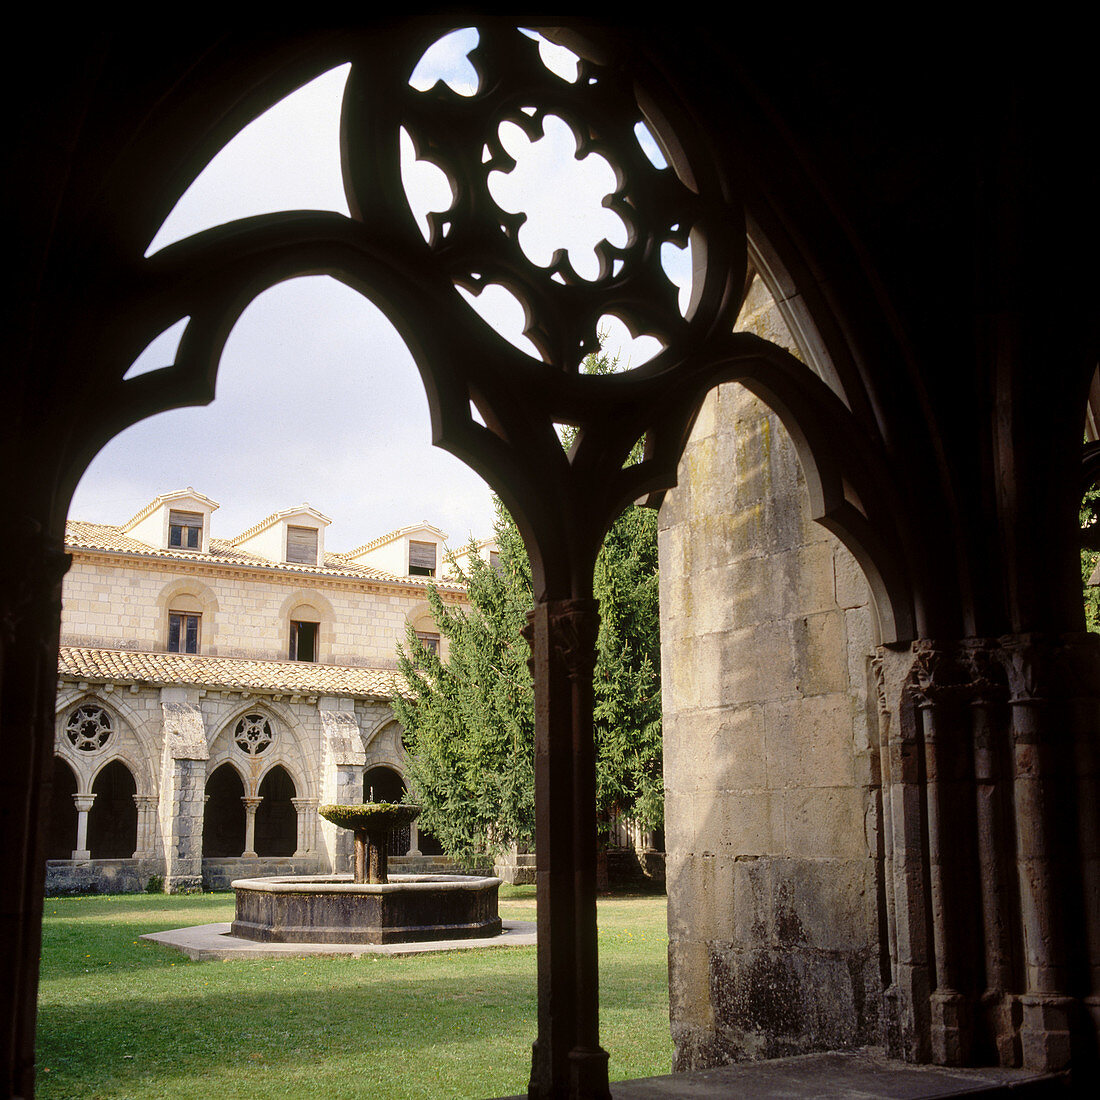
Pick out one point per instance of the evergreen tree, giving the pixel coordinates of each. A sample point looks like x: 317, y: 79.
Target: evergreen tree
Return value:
x: 469, y: 720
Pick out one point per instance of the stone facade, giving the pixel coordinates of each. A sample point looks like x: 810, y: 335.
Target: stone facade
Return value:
x: 222, y: 744
x: 773, y: 802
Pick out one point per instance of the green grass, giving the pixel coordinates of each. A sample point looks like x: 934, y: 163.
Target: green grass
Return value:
x: 122, y: 1017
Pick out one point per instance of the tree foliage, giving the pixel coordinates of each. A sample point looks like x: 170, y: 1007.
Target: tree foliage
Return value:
x: 1090, y: 520
x: 469, y: 719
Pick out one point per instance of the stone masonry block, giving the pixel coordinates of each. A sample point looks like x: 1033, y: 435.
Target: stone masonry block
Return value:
x: 825, y: 822
x: 851, y: 584
x: 820, y: 653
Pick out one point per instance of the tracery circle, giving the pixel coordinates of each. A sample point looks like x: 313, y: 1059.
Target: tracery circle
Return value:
x: 253, y: 734
x: 88, y: 728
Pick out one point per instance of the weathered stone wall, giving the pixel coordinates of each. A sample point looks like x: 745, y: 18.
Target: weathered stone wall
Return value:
x: 769, y: 752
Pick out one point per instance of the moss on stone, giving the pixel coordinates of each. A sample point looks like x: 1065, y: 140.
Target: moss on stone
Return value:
x: 370, y: 816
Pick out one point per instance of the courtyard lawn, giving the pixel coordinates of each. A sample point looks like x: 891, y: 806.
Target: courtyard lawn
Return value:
x: 122, y: 1017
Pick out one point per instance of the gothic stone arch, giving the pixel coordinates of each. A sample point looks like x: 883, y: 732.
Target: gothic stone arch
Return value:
x: 947, y: 464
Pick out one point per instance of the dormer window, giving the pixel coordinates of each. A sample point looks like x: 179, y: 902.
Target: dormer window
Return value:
x: 301, y: 545
x: 421, y: 559
x: 184, y: 530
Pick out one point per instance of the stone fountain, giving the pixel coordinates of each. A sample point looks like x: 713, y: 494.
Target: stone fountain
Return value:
x: 369, y: 906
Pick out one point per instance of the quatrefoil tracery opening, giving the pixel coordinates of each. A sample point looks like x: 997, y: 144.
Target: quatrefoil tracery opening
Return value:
x: 89, y: 728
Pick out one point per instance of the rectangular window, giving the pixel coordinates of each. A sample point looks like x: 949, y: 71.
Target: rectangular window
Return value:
x: 494, y: 561
x: 421, y: 559
x: 303, y: 641
x: 429, y: 641
x: 185, y: 530
x: 301, y: 545
x: 183, y: 632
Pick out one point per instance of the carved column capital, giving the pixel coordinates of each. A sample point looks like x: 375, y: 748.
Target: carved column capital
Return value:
x: 939, y: 676
x: 574, y: 625
x: 1026, y: 659
x: 986, y: 675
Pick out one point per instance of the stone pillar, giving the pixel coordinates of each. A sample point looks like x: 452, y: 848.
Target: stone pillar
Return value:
x: 306, y: 809
x: 146, y: 805
x: 34, y: 562
x: 251, y: 805
x: 414, y: 840
x: 998, y: 1004
x: 941, y: 695
x: 1045, y: 1034
x: 907, y: 997
x: 182, y: 786
x: 83, y: 803
x: 562, y: 636
x: 342, y: 758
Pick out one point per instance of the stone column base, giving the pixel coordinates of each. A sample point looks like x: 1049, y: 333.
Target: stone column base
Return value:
x: 183, y: 884
x: 951, y: 1032
x: 1045, y: 1035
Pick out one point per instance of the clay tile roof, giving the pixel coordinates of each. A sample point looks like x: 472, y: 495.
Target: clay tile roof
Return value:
x: 226, y: 673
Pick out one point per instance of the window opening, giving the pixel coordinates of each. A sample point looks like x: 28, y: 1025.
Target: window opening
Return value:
x: 429, y: 641
x: 421, y: 559
x: 223, y: 823
x: 303, y: 641
x: 301, y: 545
x: 276, y: 818
x: 253, y: 734
x: 62, y: 827
x: 113, y: 818
x: 183, y: 632
x: 88, y: 728
x: 185, y: 530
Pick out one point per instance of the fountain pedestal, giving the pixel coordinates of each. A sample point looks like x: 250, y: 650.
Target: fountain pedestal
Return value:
x: 368, y: 907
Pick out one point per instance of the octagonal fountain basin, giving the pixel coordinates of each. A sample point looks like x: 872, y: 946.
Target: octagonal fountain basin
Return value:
x: 335, y: 909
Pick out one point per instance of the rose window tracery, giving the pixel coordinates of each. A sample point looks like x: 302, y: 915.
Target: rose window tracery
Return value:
x: 253, y: 734
x: 88, y: 728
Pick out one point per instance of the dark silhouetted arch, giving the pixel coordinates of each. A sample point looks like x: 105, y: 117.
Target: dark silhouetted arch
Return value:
x: 112, y: 821
x: 276, y: 818
x: 62, y: 827
x: 223, y: 817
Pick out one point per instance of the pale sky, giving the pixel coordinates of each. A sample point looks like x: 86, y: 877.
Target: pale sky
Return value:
x: 318, y: 399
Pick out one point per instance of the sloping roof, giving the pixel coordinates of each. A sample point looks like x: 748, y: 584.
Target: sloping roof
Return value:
x: 268, y: 521
x: 166, y: 498
x: 393, y: 536
x: 225, y: 673
x: 107, y: 538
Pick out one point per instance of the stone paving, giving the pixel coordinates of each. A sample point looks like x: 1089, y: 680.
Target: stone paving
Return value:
x: 854, y: 1075
x: 213, y: 941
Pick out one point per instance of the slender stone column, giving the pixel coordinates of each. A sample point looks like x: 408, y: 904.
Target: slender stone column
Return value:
x: 306, y: 809
x: 83, y: 803
x: 250, y: 807
x: 907, y: 997
x: 414, y: 840
x: 1045, y: 1035
x: 567, y: 1060
x: 942, y: 691
x: 145, y: 804
x: 999, y: 1001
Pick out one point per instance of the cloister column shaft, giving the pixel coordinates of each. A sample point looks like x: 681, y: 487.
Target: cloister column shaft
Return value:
x: 567, y: 1060
x: 947, y: 761
x: 250, y: 807
x: 995, y: 878
x: 83, y: 803
x: 1045, y: 1035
